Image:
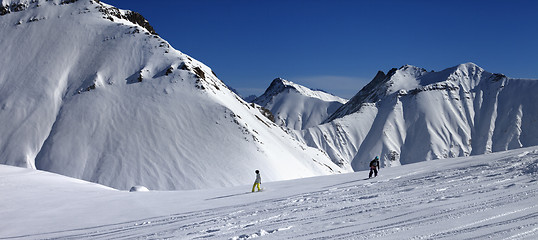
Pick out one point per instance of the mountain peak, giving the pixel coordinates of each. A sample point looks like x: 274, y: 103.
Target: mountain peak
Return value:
x: 469, y: 68
x: 296, y: 106
x: 279, y: 85
x: 468, y: 65
x: 280, y: 80
x: 408, y: 67
x: 411, y: 78
x: 127, y: 95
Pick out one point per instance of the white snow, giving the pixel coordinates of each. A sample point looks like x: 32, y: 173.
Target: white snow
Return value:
x: 88, y: 94
x: 412, y: 115
x: 298, y: 107
x: 138, y: 189
x: 490, y: 196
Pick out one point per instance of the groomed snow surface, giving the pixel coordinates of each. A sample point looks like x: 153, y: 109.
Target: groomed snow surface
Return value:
x: 482, y: 197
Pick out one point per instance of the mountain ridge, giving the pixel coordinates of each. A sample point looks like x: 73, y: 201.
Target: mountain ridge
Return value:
x: 93, y: 94
x: 296, y: 106
x: 405, y: 79
x: 454, y: 110
x: 109, y: 102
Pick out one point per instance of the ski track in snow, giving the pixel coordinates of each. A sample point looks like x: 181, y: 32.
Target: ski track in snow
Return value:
x: 469, y: 201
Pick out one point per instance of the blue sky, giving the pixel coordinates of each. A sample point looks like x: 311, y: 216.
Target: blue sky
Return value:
x: 339, y: 46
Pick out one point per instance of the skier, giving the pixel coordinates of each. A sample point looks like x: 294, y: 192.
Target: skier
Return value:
x: 374, y: 166
x: 258, y: 181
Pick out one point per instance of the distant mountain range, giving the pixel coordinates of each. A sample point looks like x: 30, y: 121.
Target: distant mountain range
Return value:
x: 92, y: 92
x: 410, y: 115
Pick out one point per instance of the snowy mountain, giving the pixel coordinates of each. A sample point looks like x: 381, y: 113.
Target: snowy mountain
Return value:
x: 90, y: 91
x: 298, y: 107
x: 410, y: 115
x: 481, y: 197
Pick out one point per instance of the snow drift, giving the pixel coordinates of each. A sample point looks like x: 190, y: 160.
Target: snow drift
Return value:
x: 90, y: 91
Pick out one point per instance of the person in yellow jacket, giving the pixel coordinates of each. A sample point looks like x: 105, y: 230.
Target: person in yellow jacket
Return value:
x: 258, y: 181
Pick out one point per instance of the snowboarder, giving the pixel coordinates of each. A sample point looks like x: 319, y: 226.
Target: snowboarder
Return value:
x: 374, y: 166
x: 258, y: 181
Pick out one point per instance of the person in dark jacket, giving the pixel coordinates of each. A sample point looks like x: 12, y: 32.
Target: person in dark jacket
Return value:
x: 374, y: 167
x: 258, y: 181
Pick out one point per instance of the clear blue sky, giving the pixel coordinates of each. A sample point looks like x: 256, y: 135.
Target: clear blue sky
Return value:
x: 339, y: 46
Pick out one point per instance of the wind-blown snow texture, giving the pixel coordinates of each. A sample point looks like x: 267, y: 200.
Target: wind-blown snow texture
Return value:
x: 298, y: 107
x: 410, y: 115
x: 489, y: 196
x: 89, y: 91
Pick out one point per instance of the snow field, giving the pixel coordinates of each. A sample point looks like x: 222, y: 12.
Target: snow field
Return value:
x: 483, y: 197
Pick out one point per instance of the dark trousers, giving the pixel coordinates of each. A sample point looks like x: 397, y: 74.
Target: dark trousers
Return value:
x: 373, y: 170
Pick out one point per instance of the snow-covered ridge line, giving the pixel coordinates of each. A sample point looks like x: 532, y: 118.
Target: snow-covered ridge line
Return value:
x: 114, y: 104
x: 410, y: 115
x: 295, y: 106
x: 279, y: 85
x: 109, y: 12
x: 311, y: 92
x: 368, y: 94
x: 409, y: 79
x: 9, y: 6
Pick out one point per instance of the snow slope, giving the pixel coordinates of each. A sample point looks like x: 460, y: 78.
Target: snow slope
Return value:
x: 90, y: 91
x: 298, y: 107
x: 410, y: 115
x: 489, y: 196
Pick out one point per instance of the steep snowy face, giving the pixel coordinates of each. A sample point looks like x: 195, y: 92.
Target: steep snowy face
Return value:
x: 298, y: 107
x: 90, y: 91
x: 410, y: 78
x: 411, y: 115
